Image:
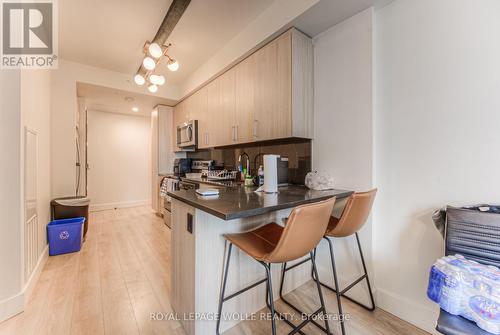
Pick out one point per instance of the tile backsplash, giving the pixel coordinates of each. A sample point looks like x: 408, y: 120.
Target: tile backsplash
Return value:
x: 298, y: 153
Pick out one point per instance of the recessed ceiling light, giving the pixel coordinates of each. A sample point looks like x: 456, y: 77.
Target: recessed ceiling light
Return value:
x: 135, y: 109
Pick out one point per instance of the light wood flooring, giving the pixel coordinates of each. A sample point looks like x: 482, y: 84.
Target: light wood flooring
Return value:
x: 122, y: 275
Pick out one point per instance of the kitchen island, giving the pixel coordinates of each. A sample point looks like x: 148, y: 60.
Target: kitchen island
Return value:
x: 198, y: 248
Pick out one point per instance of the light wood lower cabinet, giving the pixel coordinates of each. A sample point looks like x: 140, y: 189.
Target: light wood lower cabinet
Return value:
x: 268, y: 95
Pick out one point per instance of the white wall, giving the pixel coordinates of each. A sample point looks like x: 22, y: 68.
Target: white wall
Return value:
x: 10, y: 193
x: 35, y: 108
x: 119, y: 157
x: 437, y: 123
x: 64, y: 107
x: 36, y: 115
x: 25, y: 102
x: 342, y: 144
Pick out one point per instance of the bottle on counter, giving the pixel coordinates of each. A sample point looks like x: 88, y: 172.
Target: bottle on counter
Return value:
x: 248, y: 180
x: 243, y: 174
x: 260, y: 175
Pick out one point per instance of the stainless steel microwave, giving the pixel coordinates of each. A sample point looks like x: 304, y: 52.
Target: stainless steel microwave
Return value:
x: 187, y: 134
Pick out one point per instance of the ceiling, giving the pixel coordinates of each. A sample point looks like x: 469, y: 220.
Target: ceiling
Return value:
x: 112, y: 100
x: 327, y: 13
x: 110, y: 34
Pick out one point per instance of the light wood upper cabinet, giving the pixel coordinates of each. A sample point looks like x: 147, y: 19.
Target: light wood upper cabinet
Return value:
x: 268, y: 95
x: 199, y: 113
x: 272, y: 113
x: 225, y: 126
x: 212, y: 116
x: 245, y: 86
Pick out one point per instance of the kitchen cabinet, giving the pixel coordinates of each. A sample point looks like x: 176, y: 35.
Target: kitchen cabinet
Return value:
x: 161, y: 148
x: 245, y: 85
x: 225, y: 125
x: 199, y: 112
x: 267, y: 96
x: 272, y: 112
x: 209, y: 121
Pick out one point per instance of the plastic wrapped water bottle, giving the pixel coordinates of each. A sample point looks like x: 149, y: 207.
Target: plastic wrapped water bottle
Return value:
x: 467, y: 288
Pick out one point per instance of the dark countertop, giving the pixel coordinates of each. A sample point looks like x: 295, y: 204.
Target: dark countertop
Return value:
x: 240, y: 202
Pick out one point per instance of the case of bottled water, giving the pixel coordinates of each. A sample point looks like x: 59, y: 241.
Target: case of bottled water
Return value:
x: 467, y: 288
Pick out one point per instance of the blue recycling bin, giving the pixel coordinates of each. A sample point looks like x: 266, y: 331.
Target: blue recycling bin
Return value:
x: 65, y: 235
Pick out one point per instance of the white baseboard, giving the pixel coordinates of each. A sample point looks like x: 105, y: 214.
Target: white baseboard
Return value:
x: 419, y: 315
x: 15, y: 305
x: 114, y: 205
x: 11, y: 306
x: 31, y: 283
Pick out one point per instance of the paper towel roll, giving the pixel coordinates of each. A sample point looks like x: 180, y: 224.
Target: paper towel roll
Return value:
x: 271, y: 173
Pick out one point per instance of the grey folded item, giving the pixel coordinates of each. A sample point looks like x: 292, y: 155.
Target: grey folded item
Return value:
x: 439, y: 218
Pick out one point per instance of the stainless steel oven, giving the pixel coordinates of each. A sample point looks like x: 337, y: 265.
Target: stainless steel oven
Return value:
x: 187, y: 134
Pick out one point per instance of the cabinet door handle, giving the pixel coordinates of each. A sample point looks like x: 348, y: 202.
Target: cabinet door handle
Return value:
x: 233, y: 129
x: 236, y: 133
x: 206, y: 138
x: 255, y: 126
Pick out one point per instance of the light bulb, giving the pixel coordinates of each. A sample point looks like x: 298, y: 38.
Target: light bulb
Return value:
x: 135, y: 109
x: 155, y: 50
x: 157, y: 79
x: 139, y: 79
x: 173, y: 65
x: 149, y: 63
x: 153, y: 88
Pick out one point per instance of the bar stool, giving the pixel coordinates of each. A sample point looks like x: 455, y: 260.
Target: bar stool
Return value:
x: 275, y: 244
x: 354, y: 216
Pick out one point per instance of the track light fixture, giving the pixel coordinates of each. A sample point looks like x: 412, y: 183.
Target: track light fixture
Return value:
x: 154, y: 53
x: 156, y: 50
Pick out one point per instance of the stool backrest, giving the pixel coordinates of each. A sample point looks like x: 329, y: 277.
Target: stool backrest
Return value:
x: 305, y: 227
x: 355, y: 214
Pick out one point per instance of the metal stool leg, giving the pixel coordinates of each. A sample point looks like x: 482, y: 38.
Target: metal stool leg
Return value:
x: 309, y: 318
x: 322, y: 300
x: 223, y: 289
x: 337, y: 291
x: 372, y: 308
x: 282, y: 317
x: 269, y: 294
x: 364, y: 276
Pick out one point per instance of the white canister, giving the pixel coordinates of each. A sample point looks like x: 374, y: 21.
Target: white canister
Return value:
x: 270, y: 173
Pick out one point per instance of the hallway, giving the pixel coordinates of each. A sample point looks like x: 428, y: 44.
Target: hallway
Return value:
x: 122, y: 275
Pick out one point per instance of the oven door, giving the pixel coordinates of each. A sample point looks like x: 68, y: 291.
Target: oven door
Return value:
x: 187, y: 134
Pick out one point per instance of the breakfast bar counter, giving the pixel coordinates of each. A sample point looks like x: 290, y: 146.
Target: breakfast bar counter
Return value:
x: 241, y: 202
x: 198, y: 248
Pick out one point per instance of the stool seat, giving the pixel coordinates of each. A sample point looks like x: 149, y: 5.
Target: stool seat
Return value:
x: 258, y: 243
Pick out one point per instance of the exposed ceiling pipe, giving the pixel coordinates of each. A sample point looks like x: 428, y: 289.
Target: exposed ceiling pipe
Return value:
x: 174, y: 14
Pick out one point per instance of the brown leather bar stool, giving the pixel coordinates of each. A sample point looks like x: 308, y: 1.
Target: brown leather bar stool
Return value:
x: 273, y: 243
x: 354, y: 216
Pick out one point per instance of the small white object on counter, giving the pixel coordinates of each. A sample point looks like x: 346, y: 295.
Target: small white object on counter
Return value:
x: 207, y: 191
x: 319, y: 181
x: 270, y: 173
